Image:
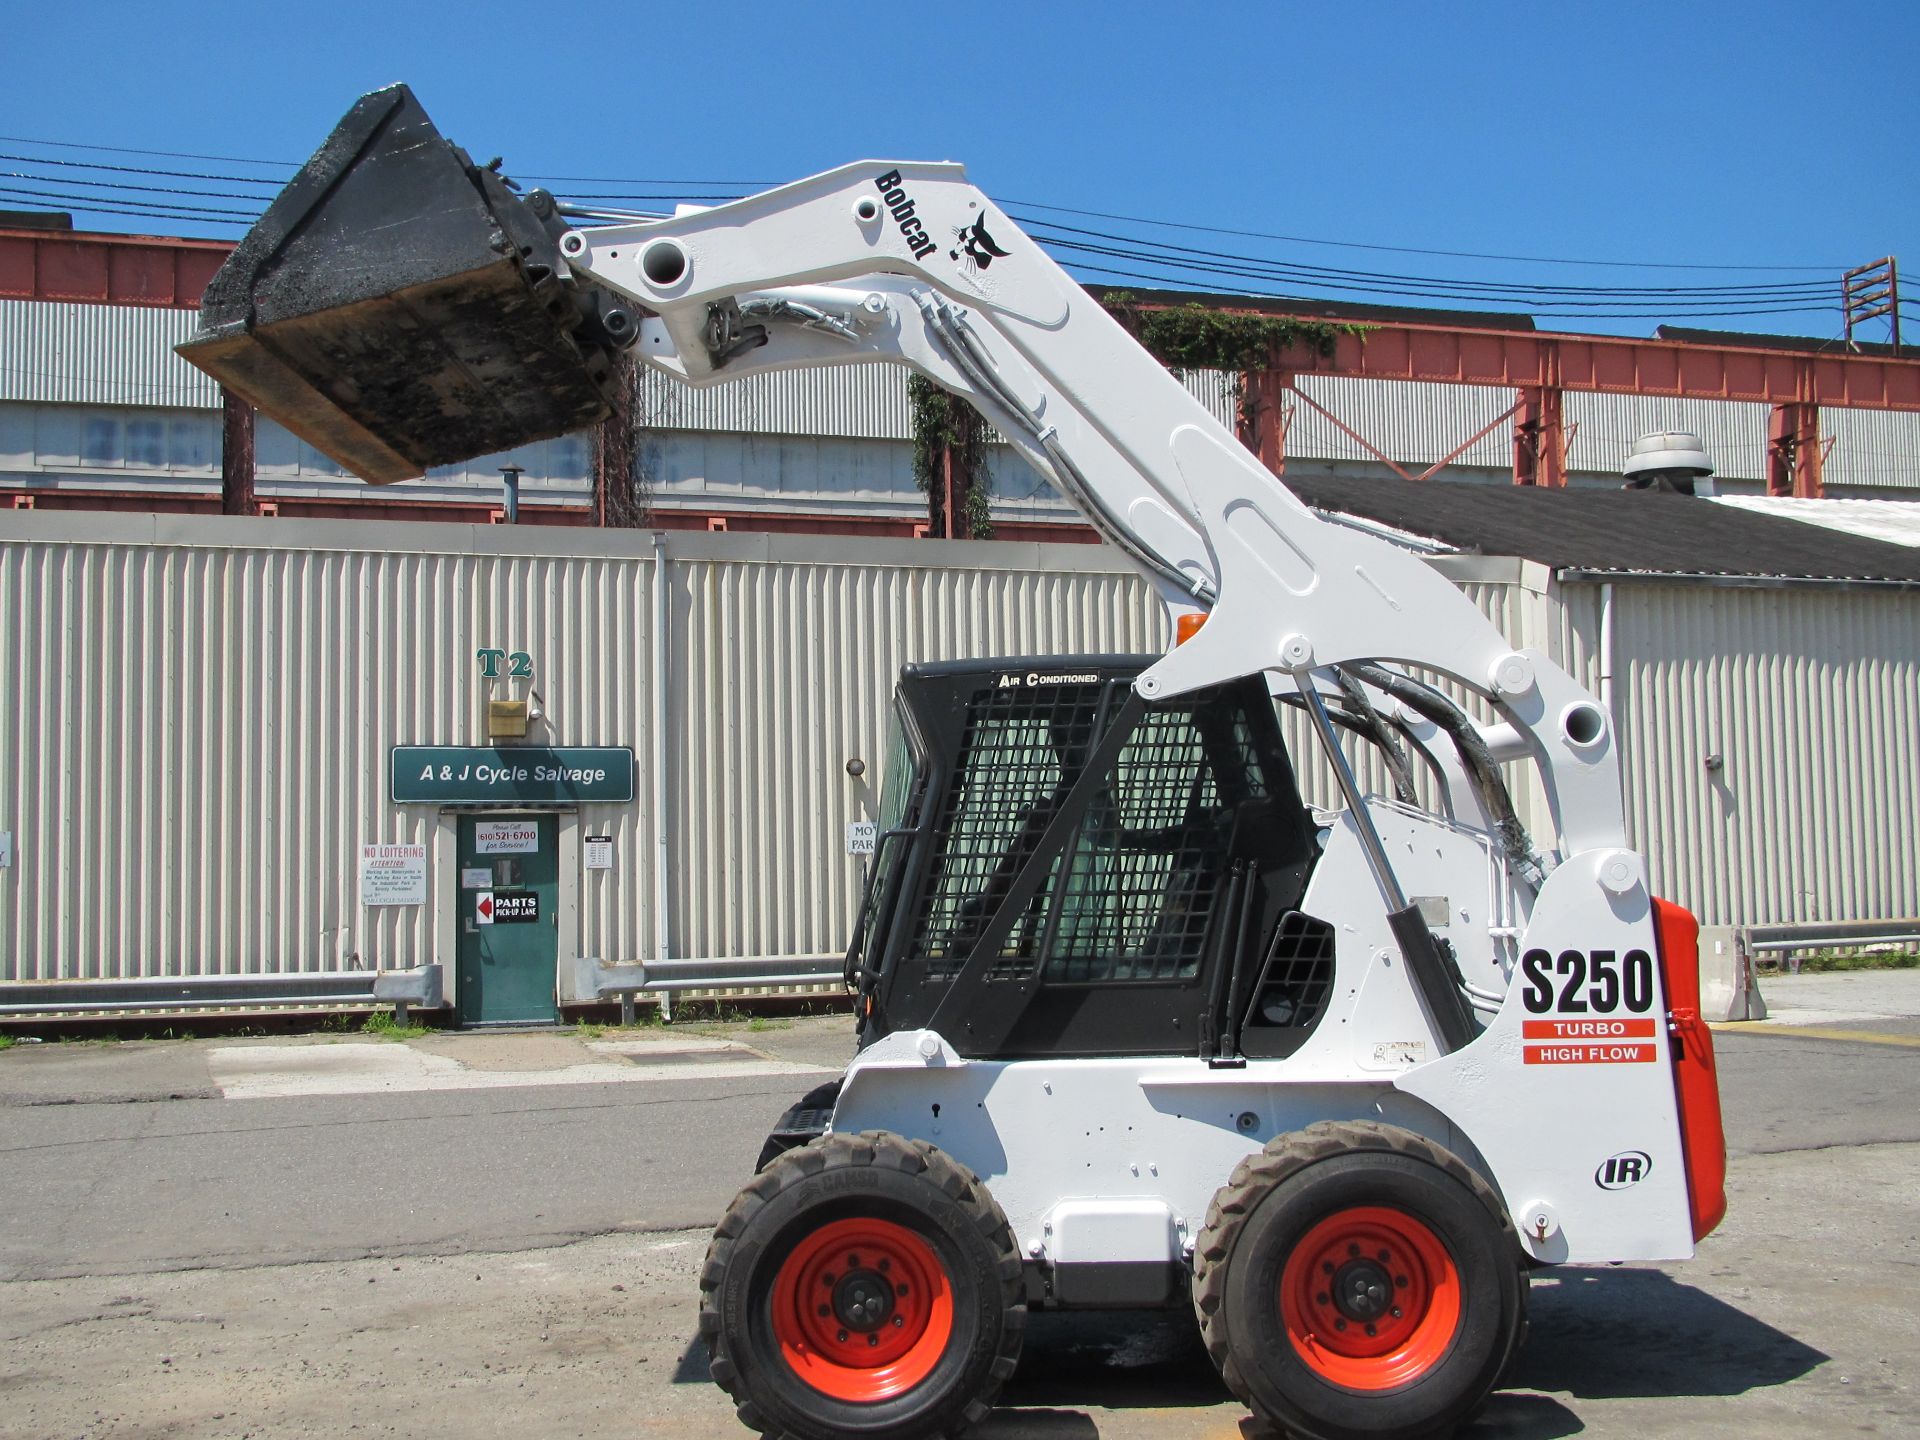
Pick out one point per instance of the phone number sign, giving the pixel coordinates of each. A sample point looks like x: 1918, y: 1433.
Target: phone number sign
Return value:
x: 511, y: 774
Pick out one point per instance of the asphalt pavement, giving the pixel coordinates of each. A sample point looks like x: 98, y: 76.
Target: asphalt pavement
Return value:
x: 496, y: 1234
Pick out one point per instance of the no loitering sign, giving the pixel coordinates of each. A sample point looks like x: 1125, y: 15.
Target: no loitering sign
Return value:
x: 393, y: 874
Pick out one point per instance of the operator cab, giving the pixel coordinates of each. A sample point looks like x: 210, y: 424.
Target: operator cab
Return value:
x: 1064, y: 869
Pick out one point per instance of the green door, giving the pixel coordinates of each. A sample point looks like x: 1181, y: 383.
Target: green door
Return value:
x: 509, y: 877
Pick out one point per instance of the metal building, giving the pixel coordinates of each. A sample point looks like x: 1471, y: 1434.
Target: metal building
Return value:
x: 205, y: 725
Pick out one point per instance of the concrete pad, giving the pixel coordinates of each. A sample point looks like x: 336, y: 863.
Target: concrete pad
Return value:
x: 656, y: 1046
x: 262, y: 1072
x: 95, y: 1073
x: 531, y: 1050
x: 1848, y: 997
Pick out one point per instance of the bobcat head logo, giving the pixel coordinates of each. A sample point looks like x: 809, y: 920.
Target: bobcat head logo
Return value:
x: 979, y: 246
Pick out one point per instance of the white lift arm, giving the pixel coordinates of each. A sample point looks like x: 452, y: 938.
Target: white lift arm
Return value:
x: 910, y: 263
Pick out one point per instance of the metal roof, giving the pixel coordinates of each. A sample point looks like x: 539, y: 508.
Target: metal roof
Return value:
x: 1595, y: 532
x: 1895, y: 521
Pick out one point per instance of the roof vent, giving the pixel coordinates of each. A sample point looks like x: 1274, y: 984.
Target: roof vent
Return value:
x: 1674, y: 460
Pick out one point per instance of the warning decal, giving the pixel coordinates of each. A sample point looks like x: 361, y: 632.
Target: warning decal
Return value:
x: 1589, y: 1054
x: 1586, y: 1029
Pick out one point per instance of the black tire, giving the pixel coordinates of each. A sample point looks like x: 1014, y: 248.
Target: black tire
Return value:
x: 767, y: 1253
x: 803, y: 1121
x: 1302, y: 1200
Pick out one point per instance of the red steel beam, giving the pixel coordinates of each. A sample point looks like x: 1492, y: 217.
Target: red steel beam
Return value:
x: 1795, y: 452
x: 166, y: 272
x: 146, y: 270
x: 1613, y: 365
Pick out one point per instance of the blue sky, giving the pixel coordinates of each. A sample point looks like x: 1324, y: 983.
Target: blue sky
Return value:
x: 1754, y: 134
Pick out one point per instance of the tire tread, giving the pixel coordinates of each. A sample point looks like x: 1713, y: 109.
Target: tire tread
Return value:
x: 877, y: 1149
x: 1283, y: 1157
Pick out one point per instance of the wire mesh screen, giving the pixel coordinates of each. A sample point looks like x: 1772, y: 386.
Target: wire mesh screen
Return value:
x: 1018, y: 757
x: 1298, y: 975
x: 1148, y: 862
x: 1132, y: 898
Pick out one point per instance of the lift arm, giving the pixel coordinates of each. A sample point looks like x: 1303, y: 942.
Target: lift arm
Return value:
x: 915, y: 265
x: 400, y: 307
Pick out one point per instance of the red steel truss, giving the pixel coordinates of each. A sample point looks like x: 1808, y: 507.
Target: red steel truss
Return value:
x: 1539, y: 367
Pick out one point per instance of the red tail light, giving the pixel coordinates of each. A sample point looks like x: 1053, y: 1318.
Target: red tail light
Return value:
x: 1695, y: 1083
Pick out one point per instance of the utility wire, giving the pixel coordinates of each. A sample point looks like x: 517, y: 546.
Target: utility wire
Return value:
x: 751, y: 185
x: 247, y: 215
x: 127, y: 150
x: 124, y: 185
x: 1176, y: 265
x: 139, y: 170
x: 1086, y: 268
x: 1173, y: 254
x: 1405, y: 249
x: 1670, y: 307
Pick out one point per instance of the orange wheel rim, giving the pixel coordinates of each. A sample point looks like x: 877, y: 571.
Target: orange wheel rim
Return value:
x: 1370, y: 1298
x: 862, y: 1310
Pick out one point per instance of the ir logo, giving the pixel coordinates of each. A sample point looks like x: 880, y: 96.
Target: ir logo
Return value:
x: 1629, y: 1167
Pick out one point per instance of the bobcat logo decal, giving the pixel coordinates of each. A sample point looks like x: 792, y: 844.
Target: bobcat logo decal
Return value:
x: 980, y: 247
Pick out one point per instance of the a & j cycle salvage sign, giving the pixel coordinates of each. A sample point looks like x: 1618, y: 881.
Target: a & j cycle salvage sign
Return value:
x: 511, y: 774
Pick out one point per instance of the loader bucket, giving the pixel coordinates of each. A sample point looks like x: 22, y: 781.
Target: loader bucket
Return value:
x: 398, y: 307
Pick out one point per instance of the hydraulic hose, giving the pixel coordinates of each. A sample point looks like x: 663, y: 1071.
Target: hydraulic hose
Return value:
x: 1482, y: 768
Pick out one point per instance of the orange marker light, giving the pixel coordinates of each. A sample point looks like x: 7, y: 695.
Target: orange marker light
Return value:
x: 1188, y: 626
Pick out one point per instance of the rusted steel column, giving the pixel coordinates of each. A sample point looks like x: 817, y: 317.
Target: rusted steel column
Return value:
x: 616, y: 454
x: 949, y: 498
x: 1540, y: 437
x: 1263, y: 428
x: 1794, y: 451
x: 236, y: 455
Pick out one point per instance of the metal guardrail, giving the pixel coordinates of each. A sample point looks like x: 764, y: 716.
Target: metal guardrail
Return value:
x: 1793, y: 940
x: 666, y: 978
x: 418, y: 988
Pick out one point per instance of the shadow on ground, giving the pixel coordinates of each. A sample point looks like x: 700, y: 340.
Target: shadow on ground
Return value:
x: 1597, y: 1335
x: 1615, y: 1334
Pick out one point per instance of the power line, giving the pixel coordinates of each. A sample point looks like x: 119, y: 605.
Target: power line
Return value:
x: 1545, y: 313
x: 1404, y: 249
x: 1288, y: 267
x: 750, y: 185
x: 164, y: 154
x: 1670, y: 307
x: 137, y: 170
x: 125, y: 185
x: 84, y: 206
x: 1189, y: 265
x: 248, y: 215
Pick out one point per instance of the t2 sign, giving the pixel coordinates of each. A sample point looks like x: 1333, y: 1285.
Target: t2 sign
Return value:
x: 518, y: 662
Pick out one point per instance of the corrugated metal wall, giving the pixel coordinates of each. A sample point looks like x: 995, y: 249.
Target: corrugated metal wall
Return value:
x: 198, y: 715
x: 784, y: 671
x: 98, y: 355
x: 196, y: 731
x: 1812, y: 699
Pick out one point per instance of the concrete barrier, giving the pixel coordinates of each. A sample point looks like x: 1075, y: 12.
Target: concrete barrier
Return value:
x: 1728, y: 989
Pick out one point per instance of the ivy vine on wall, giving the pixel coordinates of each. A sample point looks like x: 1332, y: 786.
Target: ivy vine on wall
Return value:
x: 1181, y: 337
x: 1196, y: 337
x: 943, y: 423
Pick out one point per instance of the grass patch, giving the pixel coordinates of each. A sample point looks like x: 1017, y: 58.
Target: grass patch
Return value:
x: 382, y: 1025
x: 1839, y: 960
x: 6, y: 1042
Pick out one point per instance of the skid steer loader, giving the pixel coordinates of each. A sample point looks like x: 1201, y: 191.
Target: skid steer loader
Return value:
x: 1137, y: 1027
